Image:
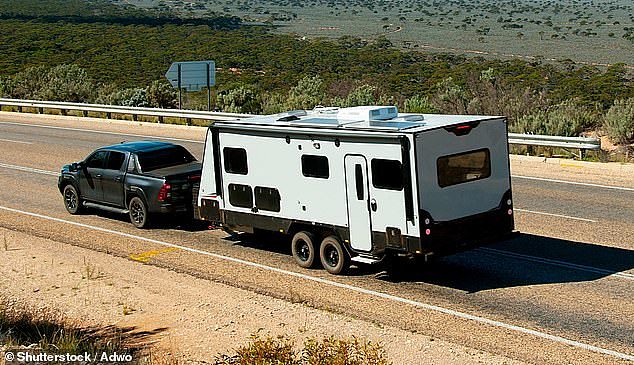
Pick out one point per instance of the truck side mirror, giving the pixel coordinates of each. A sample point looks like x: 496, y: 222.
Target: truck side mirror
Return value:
x: 76, y: 166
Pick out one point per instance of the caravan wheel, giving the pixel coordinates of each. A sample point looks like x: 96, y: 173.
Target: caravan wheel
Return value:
x: 333, y: 256
x: 303, y: 248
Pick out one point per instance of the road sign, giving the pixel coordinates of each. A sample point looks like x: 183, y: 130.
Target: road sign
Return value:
x: 193, y: 75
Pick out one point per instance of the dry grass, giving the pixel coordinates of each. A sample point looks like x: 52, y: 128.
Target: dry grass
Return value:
x: 328, y: 351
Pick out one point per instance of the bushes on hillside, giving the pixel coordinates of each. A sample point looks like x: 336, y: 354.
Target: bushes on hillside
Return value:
x: 569, y: 118
x: 619, y: 121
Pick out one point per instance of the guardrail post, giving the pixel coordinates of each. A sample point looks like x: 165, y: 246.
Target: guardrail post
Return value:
x: 188, y: 121
x: 582, y: 153
x: 135, y: 117
x: 40, y: 110
x: 108, y: 115
x: 62, y: 112
x: 19, y: 109
x: 160, y: 119
x: 84, y: 113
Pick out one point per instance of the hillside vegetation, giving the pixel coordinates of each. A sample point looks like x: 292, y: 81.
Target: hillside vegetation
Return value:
x: 119, y: 55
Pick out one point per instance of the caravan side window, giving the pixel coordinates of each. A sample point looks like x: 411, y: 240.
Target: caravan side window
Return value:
x: 463, y: 167
x: 240, y: 195
x: 267, y: 199
x: 315, y: 166
x: 387, y: 174
x: 235, y: 160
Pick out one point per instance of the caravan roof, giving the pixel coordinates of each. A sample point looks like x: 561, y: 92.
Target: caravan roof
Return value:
x: 362, y: 118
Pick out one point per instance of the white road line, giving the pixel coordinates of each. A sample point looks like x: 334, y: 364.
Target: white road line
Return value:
x: 28, y: 169
x: 568, y: 265
x: 373, y: 293
x: 14, y: 141
x: 555, y: 215
x: 573, y: 183
x: 102, y: 132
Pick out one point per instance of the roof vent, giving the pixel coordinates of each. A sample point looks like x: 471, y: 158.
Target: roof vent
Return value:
x: 368, y: 113
x: 290, y: 116
x: 410, y: 118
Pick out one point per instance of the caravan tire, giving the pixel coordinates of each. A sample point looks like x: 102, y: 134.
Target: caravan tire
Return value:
x: 304, y: 250
x: 333, y: 256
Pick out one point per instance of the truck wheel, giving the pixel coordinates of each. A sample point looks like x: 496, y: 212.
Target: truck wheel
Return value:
x: 138, y: 212
x: 333, y: 256
x: 72, y: 201
x: 303, y: 248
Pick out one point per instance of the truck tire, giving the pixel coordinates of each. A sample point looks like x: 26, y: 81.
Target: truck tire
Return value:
x: 303, y: 249
x: 72, y: 200
x: 138, y: 213
x: 334, y: 258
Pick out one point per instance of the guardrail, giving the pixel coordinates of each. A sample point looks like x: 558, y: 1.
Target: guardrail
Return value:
x: 108, y: 110
x: 579, y: 143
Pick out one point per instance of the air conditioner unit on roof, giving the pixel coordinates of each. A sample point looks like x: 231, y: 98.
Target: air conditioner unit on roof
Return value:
x: 368, y: 113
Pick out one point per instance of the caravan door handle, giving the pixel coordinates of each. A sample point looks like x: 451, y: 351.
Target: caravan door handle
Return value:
x: 373, y: 204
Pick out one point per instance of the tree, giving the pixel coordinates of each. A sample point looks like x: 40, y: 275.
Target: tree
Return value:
x: 418, y: 104
x: 67, y: 83
x: 307, y: 94
x: 161, y: 94
x: 239, y: 100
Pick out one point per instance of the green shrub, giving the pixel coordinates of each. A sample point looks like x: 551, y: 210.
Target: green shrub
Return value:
x: 239, y: 100
x: 135, y: 97
x: 66, y: 83
x: 619, y: 121
x: 307, y: 94
x: 160, y: 94
x: 569, y: 118
x: 329, y: 351
x: 418, y: 104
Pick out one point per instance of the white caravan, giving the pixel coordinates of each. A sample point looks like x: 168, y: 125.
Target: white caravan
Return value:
x: 357, y: 184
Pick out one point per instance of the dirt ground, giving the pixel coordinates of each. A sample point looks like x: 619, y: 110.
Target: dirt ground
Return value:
x: 194, y: 319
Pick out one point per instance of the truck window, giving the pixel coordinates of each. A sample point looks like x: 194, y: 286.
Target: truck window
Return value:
x: 115, y: 161
x: 97, y: 160
x: 387, y: 174
x: 267, y: 199
x: 463, y: 167
x: 240, y: 195
x: 315, y: 166
x: 164, y: 157
x: 235, y: 160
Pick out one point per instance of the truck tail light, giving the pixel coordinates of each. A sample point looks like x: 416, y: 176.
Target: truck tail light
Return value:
x: 194, y: 178
x: 165, y: 193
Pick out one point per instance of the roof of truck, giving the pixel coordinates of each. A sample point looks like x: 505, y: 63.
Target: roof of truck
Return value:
x: 138, y: 146
x: 384, y: 119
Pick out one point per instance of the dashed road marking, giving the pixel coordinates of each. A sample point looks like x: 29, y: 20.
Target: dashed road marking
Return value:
x: 353, y: 288
x: 14, y: 141
x: 572, y: 183
x: 556, y: 215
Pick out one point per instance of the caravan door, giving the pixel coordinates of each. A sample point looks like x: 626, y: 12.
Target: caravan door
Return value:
x: 358, y: 197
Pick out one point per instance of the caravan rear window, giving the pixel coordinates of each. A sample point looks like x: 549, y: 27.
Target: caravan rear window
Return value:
x: 463, y: 167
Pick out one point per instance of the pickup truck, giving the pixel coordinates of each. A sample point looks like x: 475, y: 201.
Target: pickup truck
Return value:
x: 141, y: 179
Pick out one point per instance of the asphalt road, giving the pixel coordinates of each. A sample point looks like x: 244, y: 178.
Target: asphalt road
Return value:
x: 569, y: 273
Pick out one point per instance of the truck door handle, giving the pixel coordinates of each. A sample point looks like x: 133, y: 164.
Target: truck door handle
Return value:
x: 98, y: 176
x: 373, y: 204
x: 117, y: 178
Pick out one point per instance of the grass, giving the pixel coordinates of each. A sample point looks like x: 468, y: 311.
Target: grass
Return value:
x: 328, y: 351
x: 48, y: 330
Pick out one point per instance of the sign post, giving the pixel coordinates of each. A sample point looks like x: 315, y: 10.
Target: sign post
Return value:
x: 192, y: 76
